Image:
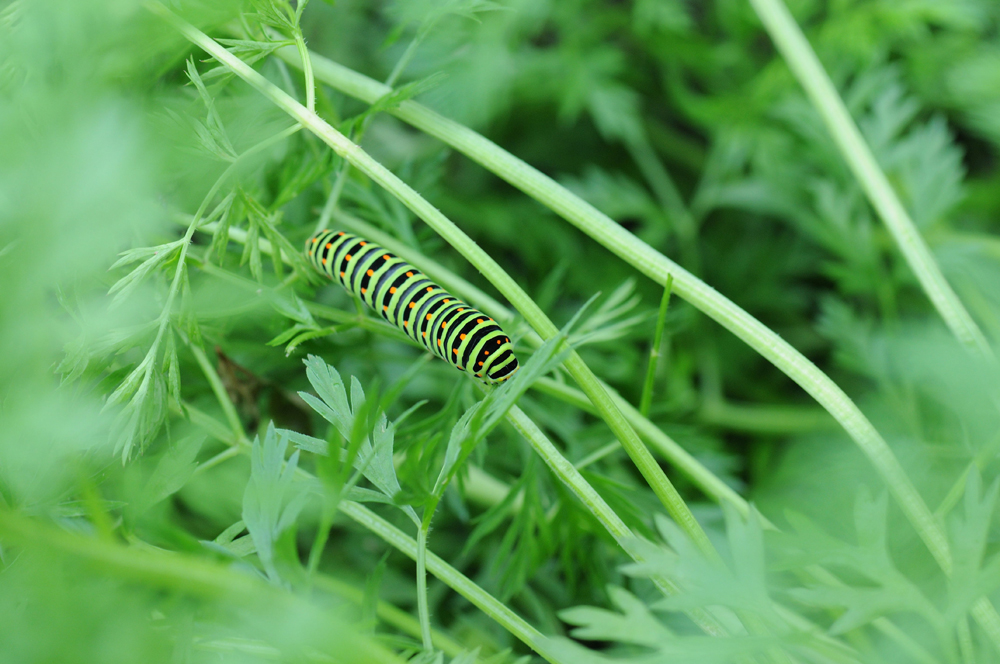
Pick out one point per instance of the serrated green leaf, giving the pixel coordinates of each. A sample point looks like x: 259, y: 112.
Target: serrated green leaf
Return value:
x: 635, y: 624
x: 374, y: 450
x: 272, y: 499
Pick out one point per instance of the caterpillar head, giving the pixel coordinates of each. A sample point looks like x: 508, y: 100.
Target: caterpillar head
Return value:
x: 501, y: 365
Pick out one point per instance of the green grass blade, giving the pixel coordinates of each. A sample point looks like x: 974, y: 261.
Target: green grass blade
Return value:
x: 654, y: 351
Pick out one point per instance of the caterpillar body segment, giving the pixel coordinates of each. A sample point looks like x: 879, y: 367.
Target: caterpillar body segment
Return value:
x: 464, y: 337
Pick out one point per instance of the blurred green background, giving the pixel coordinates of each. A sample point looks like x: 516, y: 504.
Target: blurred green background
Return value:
x: 677, y: 119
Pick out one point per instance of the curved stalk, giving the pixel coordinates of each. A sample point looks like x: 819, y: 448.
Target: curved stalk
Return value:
x: 802, y: 60
x: 423, y: 611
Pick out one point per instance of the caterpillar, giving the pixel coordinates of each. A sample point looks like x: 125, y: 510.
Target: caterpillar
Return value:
x: 464, y: 337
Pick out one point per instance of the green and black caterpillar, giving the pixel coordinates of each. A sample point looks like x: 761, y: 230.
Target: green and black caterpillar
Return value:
x: 464, y: 337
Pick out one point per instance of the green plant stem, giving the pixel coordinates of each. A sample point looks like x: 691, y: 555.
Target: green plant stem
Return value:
x: 359, y: 319
x: 423, y: 611
x: 965, y: 642
x: 404, y: 60
x: 597, y: 455
x: 669, y: 198
x: 654, y: 351
x: 802, y: 60
x: 163, y: 321
x: 220, y: 392
x: 657, y: 266
x: 545, y: 328
x: 979, y: 461
x: 202, y: 419
x: 221, y: 457
x: 300, y: 46
x: 775, y: 420
x: 666, y: 446
x: 322, y: 535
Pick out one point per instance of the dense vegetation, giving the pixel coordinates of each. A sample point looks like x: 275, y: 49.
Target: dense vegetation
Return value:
x: 210, y: 453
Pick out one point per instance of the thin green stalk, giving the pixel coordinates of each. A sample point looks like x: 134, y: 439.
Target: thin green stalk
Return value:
x: 331, y: 201
x: 658, y: 267
x: 202, y: 419
x: 148, y: 363
x: 423, y: 611
x: 658, y: 178
x: 641, y: 456
x: 320, y: 539
x: 965, y: 642
x: 345, y: 320
x: 779, y: 420
x: 220, y: 391
x: 985, y: 453
x: 300, y: 45
x: 670, y: 450
x: 598, y: 454
x: 669, y: 198
x: 654, y: 351
x: 221, y: 457
x: 802, y: 60
x: 404, y: 60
